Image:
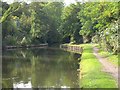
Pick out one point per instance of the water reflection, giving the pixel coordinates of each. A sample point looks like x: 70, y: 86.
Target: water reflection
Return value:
x: 40, y: 68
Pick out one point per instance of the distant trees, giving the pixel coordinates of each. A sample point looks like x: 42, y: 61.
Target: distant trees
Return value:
x: 32, y: 23
x: 71, y: 24
x: 52, y: 22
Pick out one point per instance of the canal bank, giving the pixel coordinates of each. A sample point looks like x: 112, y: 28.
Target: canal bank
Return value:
x: 91, y: 70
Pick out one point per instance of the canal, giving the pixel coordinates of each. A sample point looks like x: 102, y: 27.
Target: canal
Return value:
x: 40, y: 68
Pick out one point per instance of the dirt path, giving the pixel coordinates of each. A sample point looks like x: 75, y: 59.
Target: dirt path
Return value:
x: 107, y: 66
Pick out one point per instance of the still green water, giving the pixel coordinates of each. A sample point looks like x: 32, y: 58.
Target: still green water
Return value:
x: 40, y: 68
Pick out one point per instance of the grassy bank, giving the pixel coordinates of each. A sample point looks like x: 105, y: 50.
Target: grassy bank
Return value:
x: 91, y: 74
x: 110, y: 57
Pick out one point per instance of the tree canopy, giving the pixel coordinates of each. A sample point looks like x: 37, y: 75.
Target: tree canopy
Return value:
x: 53, y: 22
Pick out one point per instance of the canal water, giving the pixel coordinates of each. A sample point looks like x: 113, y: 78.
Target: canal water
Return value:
x: 40, y: 68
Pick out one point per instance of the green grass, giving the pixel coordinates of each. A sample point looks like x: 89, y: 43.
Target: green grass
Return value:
x: 114, y: 59
x: 104, y: 53
x: 91, y: 72
x: 110, y: 57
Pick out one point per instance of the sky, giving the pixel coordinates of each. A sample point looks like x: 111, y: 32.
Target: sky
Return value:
x: 67, y: 2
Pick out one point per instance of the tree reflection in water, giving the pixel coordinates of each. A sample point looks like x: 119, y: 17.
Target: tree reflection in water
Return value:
x: 40, y: 68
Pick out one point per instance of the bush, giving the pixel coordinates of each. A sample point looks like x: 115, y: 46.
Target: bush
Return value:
x: 108, y: 38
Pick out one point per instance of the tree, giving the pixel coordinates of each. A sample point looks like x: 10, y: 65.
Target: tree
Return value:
x: 71, y: 24
x: 13, y: 8
x: 98, y: 20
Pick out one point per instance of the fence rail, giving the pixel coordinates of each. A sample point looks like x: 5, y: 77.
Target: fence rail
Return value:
x: 74, y: 48
x: 25, y: 46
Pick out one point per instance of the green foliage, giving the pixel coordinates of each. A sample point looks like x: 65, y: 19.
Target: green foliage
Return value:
x: 32, y: 23
x: 108, y: 38
x: 52, y: 22
x: 71, y: 25
x: 13, y: 8
x: 86, y: 16
x: 100, y: 24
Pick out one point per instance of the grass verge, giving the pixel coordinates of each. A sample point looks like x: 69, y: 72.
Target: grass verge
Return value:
x: 91, y: 74
x: 110, y: 57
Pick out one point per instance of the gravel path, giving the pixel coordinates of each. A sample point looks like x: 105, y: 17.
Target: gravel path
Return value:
x: 107, y: 66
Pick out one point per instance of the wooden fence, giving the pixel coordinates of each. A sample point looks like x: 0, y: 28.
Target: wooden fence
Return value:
x: 26, y: 46
x: 74, y: 48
